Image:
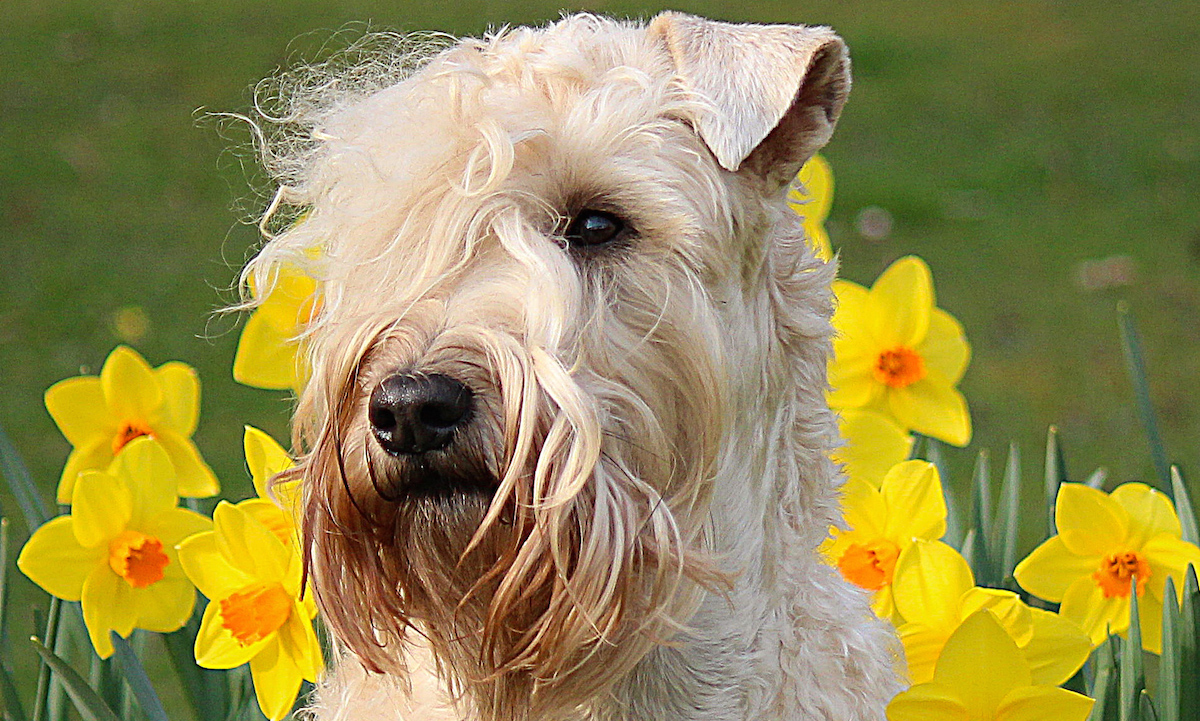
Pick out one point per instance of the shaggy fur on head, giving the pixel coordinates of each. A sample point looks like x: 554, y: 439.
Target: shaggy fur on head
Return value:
x: 626, y: 528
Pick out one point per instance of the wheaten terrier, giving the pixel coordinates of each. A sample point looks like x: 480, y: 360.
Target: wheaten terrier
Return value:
x: 565, y: 446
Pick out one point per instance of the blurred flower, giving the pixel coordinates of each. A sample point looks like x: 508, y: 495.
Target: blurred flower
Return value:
x: 131, y: 324
x: 982, y: 676
x: 811, y: 199
x: 276, y: 507
x: 255, y: 613
x: 874, y: 223
x: 883, y: 522
x: 1103, y: 542
x: 874, y: 443
x: 935, y: 591
x: 898, y: 354
x: 269, y: 353
x: 115, y: 552
x: 101, y: 415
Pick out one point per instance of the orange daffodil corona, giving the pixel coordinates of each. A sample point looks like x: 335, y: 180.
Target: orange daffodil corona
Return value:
x: 101, y: 415
x: 883, y: 523
x: 269, y: 353
x: 811, y: 198
x: 250, y: 568
x: 935, y: 592
x: 982, y: 676
x: 896, y: 353
x: 115, y: 552
x: 1104, y: 541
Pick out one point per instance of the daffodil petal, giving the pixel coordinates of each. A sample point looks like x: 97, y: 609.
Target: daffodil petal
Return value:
x: 265, y: 459
x: 130, y: 388
x: 194, y: 478
x: 107, y: 606
x: 1150, y: 512
x: 1169, y: 556
x: 883, y: 603
x: 53, y: 559
x: 916, y: 506
x: 1150, y: 610
x: 982, y: 657
x: 180, y: 386
x: 265, y: 358
x: 864, y: 510
x: 873, y: 445
x: 932, y: 407
x: 1057, y: 649
x: 815, y: 191
x: 206, y: 567
x: 1013, y: 615
x: 1051, y: 568
x: 101, y: 506
x: 165, y: 606
x: 78, y: 409
x: 928, y: 702
x: 217, y: 648
x: 818, y: 238
x: 175, y: 525
x: 901, y: 303
x: 922, y: 646
x: 96, y: 456
x: 1085, y: 605
x: 945, y: 348
x: 149, y: 474
x: 1038, y: 703
x: 276, y: 681
x: 1089, y: 522
x: 299, y: 642
x: 929, y: 582
x: 273, y: 518
x: 248, y: 544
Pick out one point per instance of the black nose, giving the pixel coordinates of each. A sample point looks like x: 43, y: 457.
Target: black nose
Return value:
x: 415, y: 413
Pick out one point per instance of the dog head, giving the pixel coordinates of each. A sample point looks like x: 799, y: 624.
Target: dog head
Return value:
x: 555, y: 265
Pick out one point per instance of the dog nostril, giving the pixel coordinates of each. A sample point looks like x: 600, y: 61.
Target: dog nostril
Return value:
x: 411, y: 413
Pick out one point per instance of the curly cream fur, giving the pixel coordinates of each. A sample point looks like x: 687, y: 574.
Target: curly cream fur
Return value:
x: 651, y: 431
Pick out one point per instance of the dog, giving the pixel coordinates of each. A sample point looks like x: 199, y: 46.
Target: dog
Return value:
x: 565, y: 447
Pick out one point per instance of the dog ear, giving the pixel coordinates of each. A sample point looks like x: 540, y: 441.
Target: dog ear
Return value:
x: 774, y: 91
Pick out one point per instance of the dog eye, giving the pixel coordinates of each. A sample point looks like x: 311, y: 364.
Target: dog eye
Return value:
x: 593, y: 227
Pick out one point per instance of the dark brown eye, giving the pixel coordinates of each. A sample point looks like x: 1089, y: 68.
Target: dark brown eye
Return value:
x: 593, y: 227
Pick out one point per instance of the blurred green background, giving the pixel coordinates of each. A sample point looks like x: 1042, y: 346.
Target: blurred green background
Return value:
x: 1043, y: 157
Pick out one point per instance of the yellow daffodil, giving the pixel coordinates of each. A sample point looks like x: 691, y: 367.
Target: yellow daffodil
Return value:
x: 269, y: 353
x: 100, y: 415
x: 115, y: 552
x: 883, y: 522
x: 811, y: 199
x: 874, y: 443
x: 982, y: 676
x: 255, y: 615
x: 896, y: 353
x: 935, y: 591
x: 276, y: 508
x: 1103, y: 541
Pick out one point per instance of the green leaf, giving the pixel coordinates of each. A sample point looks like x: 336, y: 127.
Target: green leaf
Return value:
x: 954, y: 524
x: 33, y: 507
x: 1096, y: 479
x: 1102, y: 692
x: 43, y: 682
x: 135, y: 674
x: 1135, y: 363
x: 1189, y: 642
x: 86, y: 700
x: 981, y: 505
x: 14, y: 710
x: 1056, y: 475
x: 1007, y: 522
x: 1133, y: 678
x: 1183, y: 507
x: 1167, y: 694
x: 1146, y: 707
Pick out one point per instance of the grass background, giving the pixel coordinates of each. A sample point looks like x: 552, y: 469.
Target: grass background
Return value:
x: 1008, y: 142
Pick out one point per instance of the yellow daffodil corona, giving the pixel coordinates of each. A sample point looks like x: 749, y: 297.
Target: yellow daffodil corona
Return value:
x: 115, y: 552
x: 100, y: 415
x: 1103, y: 541
x: 896, y: 353
x: 269, y: 353
x: 883, y: 522
x: 255, y: 615
x: 811, y: 199
x: 935, y: 591
x: 982, y: 676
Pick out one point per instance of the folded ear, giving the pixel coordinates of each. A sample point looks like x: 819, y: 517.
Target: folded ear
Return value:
x: 774, y: 92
